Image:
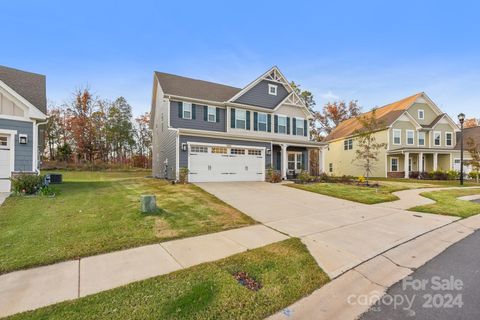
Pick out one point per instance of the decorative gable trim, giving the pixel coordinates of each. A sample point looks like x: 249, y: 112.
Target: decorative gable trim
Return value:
x: 30, y: 110
x: 407, y: 117
x: 425, y: 99
x: 447, y: 120
x: 294, y: 100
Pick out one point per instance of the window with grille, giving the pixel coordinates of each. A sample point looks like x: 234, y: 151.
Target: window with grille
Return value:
x: 221, y: 150
x: 200, y: 149
x: 254, y: 152
x: 237, y: 151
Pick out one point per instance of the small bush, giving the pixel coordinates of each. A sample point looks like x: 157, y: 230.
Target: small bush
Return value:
x: 473, y: 175
x: 414, y: 175
x: 305, y: 177
x: 324, y: 177
x: 27, y: 183
x: 361, y: 179
x: 183, y: 175
x: 273, y: 176
x: 452, y: 174
x: 438, y: 175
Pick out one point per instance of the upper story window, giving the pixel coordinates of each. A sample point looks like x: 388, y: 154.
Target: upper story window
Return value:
x: 282, y: 124
x: 348, y: 144
x: 272, y: 89
x: 299, y: 129
x: 421, y: 114
x: 187, y: 110
x: 397, y: 136
x: 421, y: 138
x: 240, y: 119
x: 410, y: 137
x: 448, y: 139
x: 262, y: 122
x: 437, y: 136
x: 212, y: 114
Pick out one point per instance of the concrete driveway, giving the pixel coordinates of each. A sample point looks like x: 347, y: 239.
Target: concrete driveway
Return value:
x: 340, y: 234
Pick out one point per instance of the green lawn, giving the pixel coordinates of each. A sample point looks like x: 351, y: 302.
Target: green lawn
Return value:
x: 285, y: 269
x: 362, y: 194
x: 432, y: 183
x: 448, y: 204
x: 97, y: 212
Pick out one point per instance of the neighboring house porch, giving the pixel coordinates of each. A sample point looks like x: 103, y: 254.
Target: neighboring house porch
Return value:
x: 400, y: 163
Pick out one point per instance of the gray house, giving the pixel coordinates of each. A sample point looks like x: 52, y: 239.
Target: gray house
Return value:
x: 23, y: 108
x: 223, y: 133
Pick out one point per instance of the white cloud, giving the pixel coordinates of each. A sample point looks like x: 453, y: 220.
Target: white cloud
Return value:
x: 329, y: 96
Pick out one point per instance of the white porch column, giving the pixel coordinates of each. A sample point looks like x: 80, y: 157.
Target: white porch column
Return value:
x: 405, y: 164
x: 420, y: 162
x: 435, y: 161
x: 284, y: 161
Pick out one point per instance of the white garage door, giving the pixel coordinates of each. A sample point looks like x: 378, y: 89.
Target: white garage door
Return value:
x: 222, y: 163
x: 5, y: 160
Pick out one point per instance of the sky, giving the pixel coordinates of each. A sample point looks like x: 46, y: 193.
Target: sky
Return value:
x: 375, y: 52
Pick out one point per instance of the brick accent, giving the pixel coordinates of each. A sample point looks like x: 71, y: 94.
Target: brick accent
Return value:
x: 398, y: 174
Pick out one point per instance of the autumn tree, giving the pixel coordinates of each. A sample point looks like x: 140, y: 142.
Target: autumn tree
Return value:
x: 367, y: 148
x: 473, y: 148
x: 143, y: 138
x: 470, y: 123
x: 334, y: 113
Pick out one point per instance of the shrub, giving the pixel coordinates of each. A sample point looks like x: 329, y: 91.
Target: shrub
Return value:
x: 273, y: 176
x: 361, y: 179
x: 27, y: 183
x: 183, y: 175
x: 473, y: 175
x: 452, y: 174
x: 414, y: 175
x: 305, y: 177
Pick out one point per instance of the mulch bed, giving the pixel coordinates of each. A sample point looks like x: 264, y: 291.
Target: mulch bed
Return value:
x: 245, y: 280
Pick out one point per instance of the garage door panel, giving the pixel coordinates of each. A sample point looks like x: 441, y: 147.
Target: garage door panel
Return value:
x: 217, y: 167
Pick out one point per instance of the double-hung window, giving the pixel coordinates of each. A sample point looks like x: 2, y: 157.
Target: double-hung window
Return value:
x: 448, y: 139
x: 348, y: 144
x: 240, y: 119
x: 410, y: 137
x: 282, y: 124
x: 437, y: 136
x: 421, y: 138
x: 394, y: 164
x: 187, y: 110
x: 212, y: 114
x: 262, y: 122
x: 300, y: 129
x: 397, y: 136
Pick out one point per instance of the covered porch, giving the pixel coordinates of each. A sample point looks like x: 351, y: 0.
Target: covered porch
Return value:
x: 291, y: 159
x: 400, y: 164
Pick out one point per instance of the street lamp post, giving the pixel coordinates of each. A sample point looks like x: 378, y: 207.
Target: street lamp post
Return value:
x: 461, y: 118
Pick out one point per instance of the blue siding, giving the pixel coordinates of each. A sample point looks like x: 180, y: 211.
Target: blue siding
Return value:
x: 184, y: 139
x: 198, y: 123
x: 23, y: 152
x: 258, y: 95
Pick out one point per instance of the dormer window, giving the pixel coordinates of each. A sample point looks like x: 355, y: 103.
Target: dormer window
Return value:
x: 272, y: 89
x: 421, y: 114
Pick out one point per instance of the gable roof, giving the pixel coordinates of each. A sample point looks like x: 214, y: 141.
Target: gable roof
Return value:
x: 31, y: 86
x: 386, y: 115
x: 192, y: 88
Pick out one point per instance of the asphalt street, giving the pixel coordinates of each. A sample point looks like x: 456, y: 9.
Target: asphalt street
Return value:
x: 447, y: 287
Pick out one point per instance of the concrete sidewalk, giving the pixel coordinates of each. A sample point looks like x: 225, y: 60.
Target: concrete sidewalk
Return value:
x: 412, y: 198
x: 351, y: 294
x: 38, y: 287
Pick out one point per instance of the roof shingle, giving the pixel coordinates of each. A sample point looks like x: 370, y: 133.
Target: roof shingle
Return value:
x: 196, y: 89
x: 31, y: 86
x: 385, y: 115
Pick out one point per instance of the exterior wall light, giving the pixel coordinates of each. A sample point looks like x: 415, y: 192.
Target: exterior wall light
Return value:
x: 22, y: 139
x: 184, y: 147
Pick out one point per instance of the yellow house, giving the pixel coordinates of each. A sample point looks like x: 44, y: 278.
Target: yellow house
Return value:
x: 419, y: 137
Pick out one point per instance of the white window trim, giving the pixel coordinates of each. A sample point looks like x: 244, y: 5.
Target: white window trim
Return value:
x: 190, y: 110
x: 244, y: 119
x: 423, y: 114
x: 391, y: 164
x: 424, y: 138
x: 258, y: 121
x: 393, y: 141
x: 286, y: 124
x: 413, y: 138
x: 272, y: 86
x: 449, y: 145
x: 296, y: 126
x: 209, y: 108
x: 440, y: 138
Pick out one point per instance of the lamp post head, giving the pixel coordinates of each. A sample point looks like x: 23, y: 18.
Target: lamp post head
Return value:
x: 461, y: 117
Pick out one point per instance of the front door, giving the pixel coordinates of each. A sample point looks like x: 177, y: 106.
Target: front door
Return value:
x: 295, y: 162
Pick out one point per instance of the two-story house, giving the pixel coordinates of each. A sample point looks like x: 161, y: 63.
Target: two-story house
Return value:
x: 23, y: 107
x: 223, y: 133
x: 418, y: 137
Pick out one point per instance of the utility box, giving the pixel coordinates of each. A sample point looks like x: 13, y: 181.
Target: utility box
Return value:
x: 148, y: 204
x: 54, y: 178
